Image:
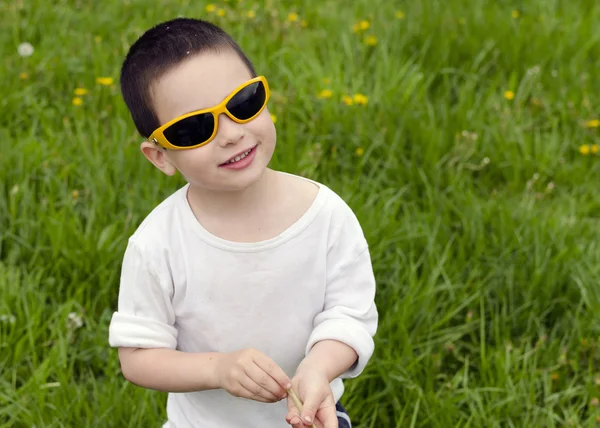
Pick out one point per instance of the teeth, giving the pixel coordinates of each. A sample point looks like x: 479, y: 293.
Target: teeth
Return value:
x: 240, y: 157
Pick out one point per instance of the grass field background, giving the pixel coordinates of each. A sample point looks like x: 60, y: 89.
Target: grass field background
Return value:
x: 469, y: 153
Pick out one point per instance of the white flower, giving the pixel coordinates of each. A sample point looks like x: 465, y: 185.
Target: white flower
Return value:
x: 74, y: 321
x: 10, y: 319
x: 25, y: 49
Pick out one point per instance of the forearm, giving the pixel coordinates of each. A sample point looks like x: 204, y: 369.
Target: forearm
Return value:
x: 330, y: 357
x: 169, y: 370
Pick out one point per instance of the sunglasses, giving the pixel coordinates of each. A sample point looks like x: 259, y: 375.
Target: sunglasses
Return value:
x: 198, y: 128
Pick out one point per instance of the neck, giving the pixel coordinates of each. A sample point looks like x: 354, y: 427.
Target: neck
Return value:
x: 242, y: 202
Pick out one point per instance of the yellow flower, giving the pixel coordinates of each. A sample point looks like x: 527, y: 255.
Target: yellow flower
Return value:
x: 210, y: 8
x: 361, y: 26
x: 347, y: 100
x: 400, y: 14
x: 75, y: 194
x: 509, y: 95
x: 516, y: 14
x: 360, y: 99
x: 584, y: 149
x: 594, y: 149
x: 105, y: 81
x: 221, y: 12
x: 325, y: 94
x: 292, y: 17
x: 273, y: 118
x: 371, y: 40
x: 97, y: 39
x: 360, y: 151
x: 77, y: 101
x: 595, y: 123
x: 251, y: 14
x: 23, y: 76
x: 80, y: 91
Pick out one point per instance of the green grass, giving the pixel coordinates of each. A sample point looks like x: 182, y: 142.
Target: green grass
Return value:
x: 482, y: 215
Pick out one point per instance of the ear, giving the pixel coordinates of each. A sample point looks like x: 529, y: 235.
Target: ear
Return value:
x: 158, y: 156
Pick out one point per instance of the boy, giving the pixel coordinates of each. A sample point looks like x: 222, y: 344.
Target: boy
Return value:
x: 246, y: 282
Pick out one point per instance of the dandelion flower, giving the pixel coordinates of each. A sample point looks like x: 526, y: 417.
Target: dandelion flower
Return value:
x: 584, y: 149
x: 221, y: 12
x: 594, y: 149
x: 105, y: 81
x: 371, y: 40
x: 595, y: 123
x: 77, y: 101
x: 251, y: 14
x: 273, y: 118
x: 74, y: 320
x: 400, y: 14
x: 25, y: 49
x: 23, y: 76
x: 325, y: 94
x: 80, y: 91
x: 292, y: 17
x: 516, y: 14
x: 360, y: 151
x: 210, y: 8
x: 361, y: 26
x: 360, y: 99
x: 347, y: 100
x: 509, y: 95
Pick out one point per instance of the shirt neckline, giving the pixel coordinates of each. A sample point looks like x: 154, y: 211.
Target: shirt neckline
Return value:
x: 293, y: 230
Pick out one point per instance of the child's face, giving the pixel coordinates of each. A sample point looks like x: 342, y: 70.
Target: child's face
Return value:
x: 201, y: 82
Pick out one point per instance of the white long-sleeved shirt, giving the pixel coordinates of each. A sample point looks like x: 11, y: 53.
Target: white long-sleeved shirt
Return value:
x: 184, y: 288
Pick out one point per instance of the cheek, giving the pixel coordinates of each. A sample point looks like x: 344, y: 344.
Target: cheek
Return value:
x: 188, y: 161
x: 263, y: 128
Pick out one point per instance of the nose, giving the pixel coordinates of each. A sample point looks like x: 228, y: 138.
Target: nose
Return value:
x: 229, y: 131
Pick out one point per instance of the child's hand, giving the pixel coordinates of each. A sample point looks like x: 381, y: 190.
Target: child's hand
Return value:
x: 315, y: 393
x: 251, y: 374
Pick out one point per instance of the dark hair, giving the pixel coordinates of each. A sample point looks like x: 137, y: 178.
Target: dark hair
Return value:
x: 157, y: 51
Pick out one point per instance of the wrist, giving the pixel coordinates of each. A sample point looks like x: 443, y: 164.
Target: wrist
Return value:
x: 213, y: 371
x: 308, y: 365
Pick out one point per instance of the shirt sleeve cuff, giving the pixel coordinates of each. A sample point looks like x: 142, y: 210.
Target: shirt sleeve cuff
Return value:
x: 137, y: 332
x: 349, y: 333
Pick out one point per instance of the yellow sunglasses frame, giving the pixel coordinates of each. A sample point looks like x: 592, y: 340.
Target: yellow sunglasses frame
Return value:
x: 158, y: 136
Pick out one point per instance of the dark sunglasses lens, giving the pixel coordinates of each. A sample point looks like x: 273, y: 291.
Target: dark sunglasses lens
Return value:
x: 191, y: 130
x: 248, y: 101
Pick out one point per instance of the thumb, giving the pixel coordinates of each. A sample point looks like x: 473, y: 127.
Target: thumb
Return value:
x: 312, y: 402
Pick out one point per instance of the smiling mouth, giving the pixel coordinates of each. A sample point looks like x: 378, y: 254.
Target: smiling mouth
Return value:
x: 239, y: 157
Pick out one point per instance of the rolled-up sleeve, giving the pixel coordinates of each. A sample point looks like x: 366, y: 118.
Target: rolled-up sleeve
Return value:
x: 145, y: 316
x: 349, y: 314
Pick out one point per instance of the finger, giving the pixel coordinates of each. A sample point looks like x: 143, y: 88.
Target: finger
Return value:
x: 256, y: 391
x: 312, y: 402
x: 293, y: 415
x: 328, y: 417
x: 273, y: 370
x: 262, y: 378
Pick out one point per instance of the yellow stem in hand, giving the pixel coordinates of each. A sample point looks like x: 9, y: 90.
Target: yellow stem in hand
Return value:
x: 298, y: 403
